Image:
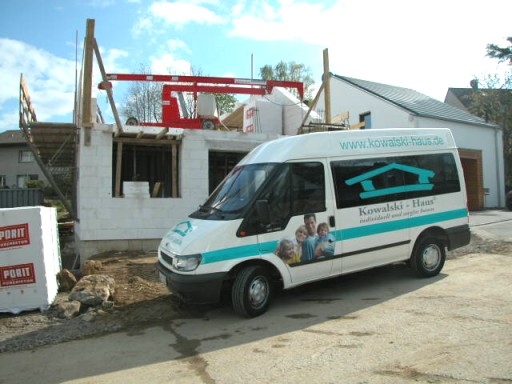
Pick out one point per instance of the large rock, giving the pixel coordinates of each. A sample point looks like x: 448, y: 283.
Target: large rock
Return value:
x: 93, y: 290
x: 92, y: 267
x: 66, y: 280
x: 67, y: 309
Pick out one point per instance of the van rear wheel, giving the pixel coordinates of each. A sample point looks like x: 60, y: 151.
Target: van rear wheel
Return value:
x: 428, y: 257
x: 252, y: 291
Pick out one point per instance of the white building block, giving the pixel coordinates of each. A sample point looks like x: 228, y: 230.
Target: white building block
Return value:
x: 29, y: 258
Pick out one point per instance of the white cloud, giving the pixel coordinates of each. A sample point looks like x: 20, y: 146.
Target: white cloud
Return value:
x: 420, y: 45
x: 143, y: 25
x: 179, y: 13
x: 168, y: 64
x: 111, y: 59
x: 177, y: 44
x: 286, y: 21
x: 50, y: 81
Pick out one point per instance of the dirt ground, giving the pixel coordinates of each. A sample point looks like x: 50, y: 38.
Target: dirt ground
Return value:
x: 140, y: 298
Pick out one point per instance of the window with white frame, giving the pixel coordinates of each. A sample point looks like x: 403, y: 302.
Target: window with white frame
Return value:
x: 26, y: 156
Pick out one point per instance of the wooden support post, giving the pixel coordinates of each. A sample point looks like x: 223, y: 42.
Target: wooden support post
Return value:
x: 313, y: 105
x: 87, y: 121
x: 327, y: 87
x: 119, y: 167
x: 174, y: 186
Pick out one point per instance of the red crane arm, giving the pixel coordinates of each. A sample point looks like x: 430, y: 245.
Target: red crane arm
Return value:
x: 224, y: 84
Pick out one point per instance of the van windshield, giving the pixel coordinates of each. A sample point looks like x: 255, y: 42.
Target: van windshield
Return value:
x: 235, y: 192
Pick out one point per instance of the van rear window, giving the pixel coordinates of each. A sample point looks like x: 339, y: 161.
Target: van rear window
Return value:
x: 383, y: 179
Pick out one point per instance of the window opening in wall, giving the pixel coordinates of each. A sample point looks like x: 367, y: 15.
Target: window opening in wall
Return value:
x: 155, y: 164
x: 219, y: 165
x: 366, y: 118
x: 26, y: 156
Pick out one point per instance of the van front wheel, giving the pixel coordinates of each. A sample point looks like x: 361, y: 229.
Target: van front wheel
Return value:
x: 252, y: 291
x: 428, y: 257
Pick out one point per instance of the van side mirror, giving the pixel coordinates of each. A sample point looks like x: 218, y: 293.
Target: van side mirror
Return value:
x: 263, y: 212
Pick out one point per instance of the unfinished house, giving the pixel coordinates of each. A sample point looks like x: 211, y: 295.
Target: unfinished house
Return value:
x: 134, y: 182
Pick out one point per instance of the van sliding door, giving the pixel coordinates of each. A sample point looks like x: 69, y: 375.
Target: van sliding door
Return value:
x: 296, y: 200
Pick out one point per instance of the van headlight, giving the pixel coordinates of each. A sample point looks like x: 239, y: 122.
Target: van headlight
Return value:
x: 186, y: 263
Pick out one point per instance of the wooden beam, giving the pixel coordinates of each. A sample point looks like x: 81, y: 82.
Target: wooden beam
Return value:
x: 119, y: 164
x: 358, y: 125
x: 147, y: 142
x: 25, y: 100
x: 162, y: 133
x: 174, y: 186
x: 341, y: 118
x: 327, y: 86
x: 108, y: 89
x: 156, y: 189
x: 313, y: 104
x: 87, y: 121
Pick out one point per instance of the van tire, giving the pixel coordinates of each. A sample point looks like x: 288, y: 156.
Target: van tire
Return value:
x: 252, y: 291
x: 428, y: 257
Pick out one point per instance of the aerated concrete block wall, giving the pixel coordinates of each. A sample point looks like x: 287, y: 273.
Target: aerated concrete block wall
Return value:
x: 139, y: 222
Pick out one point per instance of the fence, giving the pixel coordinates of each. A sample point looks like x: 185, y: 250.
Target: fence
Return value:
x: 20, y: 197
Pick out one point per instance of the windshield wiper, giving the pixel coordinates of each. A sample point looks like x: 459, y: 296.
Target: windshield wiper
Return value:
x: 208, y: 209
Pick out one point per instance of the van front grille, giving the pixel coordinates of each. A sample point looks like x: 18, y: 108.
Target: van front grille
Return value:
x: 166, y: 257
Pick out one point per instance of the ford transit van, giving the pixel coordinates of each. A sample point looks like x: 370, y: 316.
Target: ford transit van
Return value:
x: 315, y: 206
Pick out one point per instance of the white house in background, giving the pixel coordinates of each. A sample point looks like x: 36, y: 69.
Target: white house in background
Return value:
x: 386, y: 106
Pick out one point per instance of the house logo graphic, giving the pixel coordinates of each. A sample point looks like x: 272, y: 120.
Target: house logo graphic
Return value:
x: 183, y: 228
x: 366, y: 181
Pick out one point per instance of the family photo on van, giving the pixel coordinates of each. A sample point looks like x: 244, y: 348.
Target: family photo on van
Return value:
x: 311, y: 243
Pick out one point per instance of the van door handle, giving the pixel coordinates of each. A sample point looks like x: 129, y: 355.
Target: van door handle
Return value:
x: 332, y: 222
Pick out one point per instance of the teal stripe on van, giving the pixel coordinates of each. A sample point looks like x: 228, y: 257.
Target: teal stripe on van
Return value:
x: 374, y: 229
x: 233, y: 253
x: 342, y: 234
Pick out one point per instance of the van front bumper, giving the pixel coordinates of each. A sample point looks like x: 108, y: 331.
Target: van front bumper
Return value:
x: 193, y: 289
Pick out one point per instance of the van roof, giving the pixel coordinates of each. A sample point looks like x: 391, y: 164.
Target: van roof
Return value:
x: 352, y: 143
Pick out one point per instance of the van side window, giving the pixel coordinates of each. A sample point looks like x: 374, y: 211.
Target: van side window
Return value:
x: 378, y: 180
x: 296, y: 189
x: 307, y: 188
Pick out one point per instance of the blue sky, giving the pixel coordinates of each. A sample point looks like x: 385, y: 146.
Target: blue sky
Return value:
x: 427, y: 46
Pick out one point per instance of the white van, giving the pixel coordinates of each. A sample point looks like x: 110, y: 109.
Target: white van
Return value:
x: 315, y: 206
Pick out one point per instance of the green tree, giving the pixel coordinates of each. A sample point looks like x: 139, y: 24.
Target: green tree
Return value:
x: 225, y: 102
x: 501, y: 53
x: 290, y: 71
x: 491, y: 100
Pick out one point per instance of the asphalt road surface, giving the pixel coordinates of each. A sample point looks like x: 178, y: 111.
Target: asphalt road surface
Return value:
x: 379, y: 326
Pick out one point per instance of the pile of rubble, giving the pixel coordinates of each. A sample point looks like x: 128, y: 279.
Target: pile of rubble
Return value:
x: 92, y: 290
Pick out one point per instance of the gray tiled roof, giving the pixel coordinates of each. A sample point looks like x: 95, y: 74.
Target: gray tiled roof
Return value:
x: 415, y: 102
x: 12, y: 137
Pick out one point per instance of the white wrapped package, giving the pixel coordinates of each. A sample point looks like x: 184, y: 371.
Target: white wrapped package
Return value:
x: 29, y: 258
